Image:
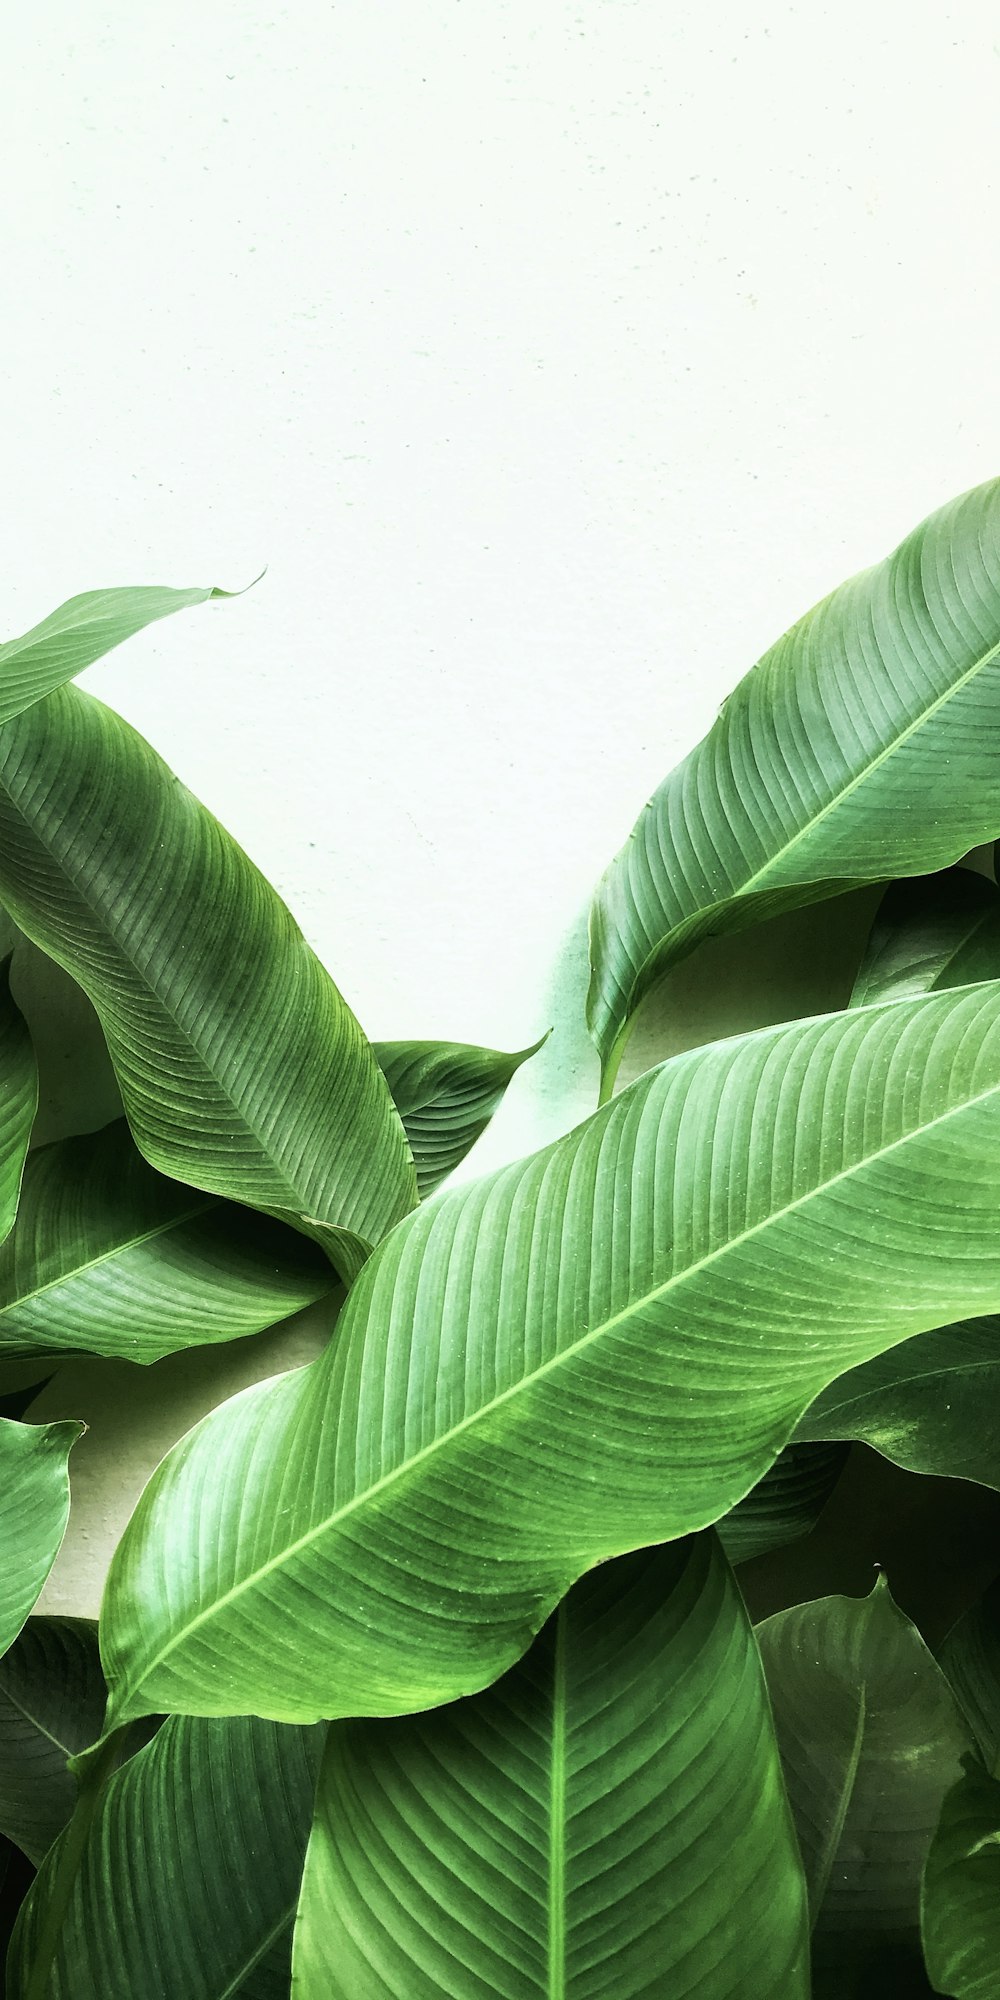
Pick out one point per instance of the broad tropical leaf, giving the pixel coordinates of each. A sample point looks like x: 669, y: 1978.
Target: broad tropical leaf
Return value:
x: 886, y: 694
x: 80, y: 632
x: 446, y: 1094
x: 52, y: 1697
x: 960, y: 1905
x: 929, y: 1405
x: 969, y: 1657
x: 608, y: 1821
x: 786, y: 1504
x: 930, y: 934
x: 242, y: 1070
x: 34, y: 1509
x: 871, y: 1740
x: 599, y: 1347
x: 18, y: 1099
x: 190, y: 1871
x: 109, y: 1257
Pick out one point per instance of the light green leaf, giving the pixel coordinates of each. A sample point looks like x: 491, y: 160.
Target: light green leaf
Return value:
x: 870, y: 1740
x: 786, y: 1504
x: 960, y: 1905
x: 602, y: 1346
x: 109, y: 1257
x: 608, y: 1821
x: 446, y: 1094
x: 969, y: 1657
x: 189, y: 1874
x: 52, y: 1697
x: 80, y: 632
x: 929, y: 1405
x: 242, y: 1070
x: 863, y: 745
x: 34, y: 1509
x: 18, y: 1099
x: 930, y: 934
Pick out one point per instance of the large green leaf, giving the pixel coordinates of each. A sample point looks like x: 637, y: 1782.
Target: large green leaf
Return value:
x: 18, y: 1099
x: 608, y: 1821
x: 80, y: 632
x: 34, y: 1509
x: 242, y: 1069
x: 931, y: 933
x: 602, y: 1346
x: 863, y: 745
x: 52, y: 1697
x: 930, y: 1405
x: 970, y: 1658
x: 189, y: 1872
x: 786, y: 1504
x: 960, y: 1905
x: 871, y: 1740
x: 446, y: 1094
x: 110, y: 1257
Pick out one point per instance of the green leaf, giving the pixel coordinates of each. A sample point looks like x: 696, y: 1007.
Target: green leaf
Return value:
x: 960, y: 1905
x: 242, y: 1070
x: 18, y: 1099
x: 34, y: 1509
x: 109, y: 1257
x: 863, y: 745
x: 52, y: 1697
x: 446, y: 1094
x: 786, y: 1504
x: 929, y: 1405
x: 609, y: 1820
x: 189, y: 1872
x: 599, y: 1347
x: 969, y: 1657
x: 80, y: 632
x: 870, y: 1740
x: 930, y: 934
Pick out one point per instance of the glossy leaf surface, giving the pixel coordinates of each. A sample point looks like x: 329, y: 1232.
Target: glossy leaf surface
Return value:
x: 603, y: 1346
x: 960, y: 1906
x: 52, y: 1697
x: 786, y: 1504
x: 871, y: 1740
x: 242, y: 1070
x: 446, y: 1094
x: 34, y: 1509
x: 863, y: 745
x: 929, y: 1405
x: 110, y: 1257
x: 608, y: 1821
x: 81, y: 631
x: 188, y: 1880
x: 18, y: 1099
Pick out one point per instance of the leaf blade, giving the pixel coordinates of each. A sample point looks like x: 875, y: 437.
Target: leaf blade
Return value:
x: 81, y: 631
x: 446, y: 1093
x: 52, y: 1697
x: 34, y: 1509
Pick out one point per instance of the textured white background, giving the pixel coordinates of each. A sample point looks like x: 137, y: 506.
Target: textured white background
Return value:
x: 553, y: 359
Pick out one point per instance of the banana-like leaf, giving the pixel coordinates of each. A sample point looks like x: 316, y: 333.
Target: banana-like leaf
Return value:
x: 34, y: 1509
x: 863, y: 745
x: 600, y: 1347
x: 929, y: 934
x: 189, y: 1873
x: 929, y: 1405
x: 109, y: 1257
x: 608, y: 1821
x: 969, y: 1658
x: 871, y: 1740
x: 786, y: 1504
x: 80, y: 632
x: 242, y: 1070
x: 18, y: 1099
x: 960, y: 1905
x: 446, y: 1094
x: 52, y: 1697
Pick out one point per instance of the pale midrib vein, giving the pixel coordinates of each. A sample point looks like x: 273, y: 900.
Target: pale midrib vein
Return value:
x: 835, y: 1835
x: 33, y: 1721
x: 938, y: 1374
x: 556, y: 1954
x: 232, y: 1989
x: 78, y: 1271
x: 546, y: 1368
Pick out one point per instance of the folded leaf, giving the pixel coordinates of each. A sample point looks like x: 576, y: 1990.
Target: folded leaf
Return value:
x: 79, y: 633
x: 109, y: 1257
x: 931, y: 934
x: 242, y: 1070
x: 608, y: 1821
x: 863, y: 745
x: 34, y: 1509
x: 787, y: 1502
x: 870, y: 1740
x: 599, y: 1347
x: 189, y: 1874
x: 52, y: 1697
x: 18, y: 1099
x: 446, y: 1094
x: 960, y: 1905
x: 969, y: 1657
x: 929, y: 1405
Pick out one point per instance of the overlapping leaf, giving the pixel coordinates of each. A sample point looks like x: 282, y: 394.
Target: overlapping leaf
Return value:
x: 930, y: 1405
x: 189, y: 1873
x: 110, y: 1257
x: 242, y: 1070
x: 871, y: 1740
x: 34, y: 1509
x: 960, y: 1905
x: 80, y: 632
x: 52, y: 1697
x: 929, y: 934
x: 18, y: 1099
x: 446, y: 1094
x: 608, y: 1821
x: 787, y: 1502
x: 600, y: 1347
x: 970, y: 1658
x: 863, y: 745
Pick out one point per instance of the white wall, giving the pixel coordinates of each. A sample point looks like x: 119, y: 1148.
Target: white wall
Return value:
x: 553, y: 358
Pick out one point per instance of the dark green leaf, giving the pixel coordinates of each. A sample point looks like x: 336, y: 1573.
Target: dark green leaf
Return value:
x: 970, y: 1659
x: 76, y: 635
x: 34, y: 1509
x: 18, y: 1099
x: 446, y: 1094
x: 960, y: 1906
x: 929, y: 1405
x: 52, y: 1697
x: 929, y: 934
x: 786, y: 1504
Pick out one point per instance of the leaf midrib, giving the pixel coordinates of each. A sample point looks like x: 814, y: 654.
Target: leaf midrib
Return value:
x: 556, y: 1958
x: 135, y: 1242
x: 846, y: 1794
